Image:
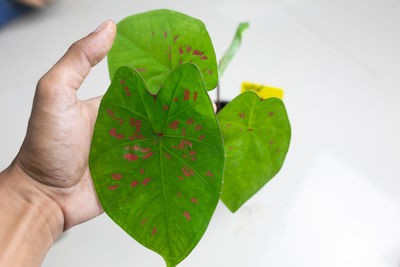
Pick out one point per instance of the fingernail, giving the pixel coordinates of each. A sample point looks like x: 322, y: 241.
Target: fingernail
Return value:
x: 102, y: 26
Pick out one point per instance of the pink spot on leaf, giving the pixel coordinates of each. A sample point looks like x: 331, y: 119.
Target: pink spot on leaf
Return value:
x: 230, y: 148
x: 186, y: 94
x: 175, y: 37
x: 197, y: 53
x: 146, y: 180
x: 141, y: 171
x: 136, y: 123
x: 165, y: 107
x: 210, y: 174
x: 192, y: 152
x: 127, y: 91
x: 189, y: 121
x: 271, y: 114
x: 144, y: 149
x: 116, y: 176
x: 227, y: 126
x: 112, y: 113
x: 183, y: 132
x: 154, y: 231
x: 187, y: 171
x: 130, y: 156
x: 147, y: 155
x: 185, y: 156
x: 277, y: 151
x: 174, y: 125
x: 152, y: 33
x: 165, y: 34
x: 204, y: 58
x: 180, y: 178
x: 194, y: 200
x: 113, y: 187
x: 141, y: 70
x: 113, y: 132
x: 198, y: 127
x: 168, y: 156
x: 180, y: 50
x: 179, y: 194
x: 187, y: 215
x: 143, y: 221
x: 241, y: 115
x: 201, y: 137
x: 175, y: 99
x: 271, y: 143
x: 188, y: 49
x: 122, y: 82
x: 195, y: 96
x: 134, y: 183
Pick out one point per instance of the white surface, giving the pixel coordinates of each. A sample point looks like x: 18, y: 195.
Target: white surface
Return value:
x: 336, y: 201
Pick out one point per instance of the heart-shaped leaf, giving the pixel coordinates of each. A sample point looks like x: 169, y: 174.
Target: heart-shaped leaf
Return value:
x: 157, y: 160
x: 257, y: 136
x: 156, y: 42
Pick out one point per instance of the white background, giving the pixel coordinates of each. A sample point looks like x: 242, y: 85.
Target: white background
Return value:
x: 335, y: 203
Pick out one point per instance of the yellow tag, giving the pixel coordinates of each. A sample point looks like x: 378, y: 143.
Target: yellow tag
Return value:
x: 262, y: 91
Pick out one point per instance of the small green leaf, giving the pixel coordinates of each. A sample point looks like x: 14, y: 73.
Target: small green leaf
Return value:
x: 157, y: 160
x: 257, y: 136
x: 156, y: 42
x: 233, y: 48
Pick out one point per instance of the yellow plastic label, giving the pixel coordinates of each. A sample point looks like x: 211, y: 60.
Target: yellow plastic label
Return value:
x: 263, y: 91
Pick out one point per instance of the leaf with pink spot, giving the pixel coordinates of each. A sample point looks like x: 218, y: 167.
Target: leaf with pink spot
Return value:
x: 256, y: 137
x: 138, y: 175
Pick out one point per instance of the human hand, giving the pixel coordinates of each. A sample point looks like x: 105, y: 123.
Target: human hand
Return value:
x: 54, y: 154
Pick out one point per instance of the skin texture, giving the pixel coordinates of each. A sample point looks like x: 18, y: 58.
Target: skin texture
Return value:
x: 48, y: 189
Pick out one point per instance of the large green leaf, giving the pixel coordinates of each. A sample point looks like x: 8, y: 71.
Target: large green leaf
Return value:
x: 156, y: 42
x: 257, y: 136
x: 233, y: 48
x: 157, y: 160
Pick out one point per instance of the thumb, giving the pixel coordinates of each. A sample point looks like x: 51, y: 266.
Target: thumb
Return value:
x: 70, y: 71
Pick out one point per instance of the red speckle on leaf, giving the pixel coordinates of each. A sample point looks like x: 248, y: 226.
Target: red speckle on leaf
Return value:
x: 165, y: 34
x: 192, y: 152
x: 144, y: 149
x: 168, y: 156
x: 180, y: 50
x: 194, y: 200
x: 116, y: 176
x: 271, y: 143
x: 127, y: 147
x: 186, y: 95
x: 141, y: 171
x: 209, y: 71
x: 189, y: 121
x: 169, y: 55
x: 146, y: 180
x: 111, y: 113
x: 174, y: 125
x: 198, y: 127
x: 127, y: 91
x: 185, y: 156
x: 182, y: 144
x: 141, y: 70
x: 183, y: 132
x: 187, y: 215
x: 180, y: 61
x: 227, y: 126
x: 113, y: 187
x: 135, y: 147
x: 277, y: 151
x: 175, y: 99
x: 113, y: 132
x: 188, y: 49
x: 155, y: 142
x: 179, y: 194
x: 201, y: 137
x: 271, y: 114
x: 159, y: 87
x: 143, y: 221
x: 165, y: 107
x: 136, y: 123
x: 195, y: 96
x: 134, y: 183
x: 204, y: 58
x: 241, y: 130
x: 241, y: 115
x: 154, y: 231
x: 180, y: 178
x: 193, y: 158
x: 230, y: 148
x: 187, y: 171
x: 135, y: 136
x: 169, y: 47
x: 250, y: 129
x: 197, y: 53
x: 130, y: 157
x: 122, y: 82
x: 152, y: 33
x: 210, y: 174
x: 147, y: 155
x: 190, y: 61
x: 175, y: 37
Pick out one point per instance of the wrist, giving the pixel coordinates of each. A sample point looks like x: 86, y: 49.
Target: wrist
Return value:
x: 30, y: 221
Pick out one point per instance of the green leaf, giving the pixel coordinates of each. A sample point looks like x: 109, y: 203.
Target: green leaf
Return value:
x: 157, y: 160
x: 233, y: 48
x: 257, y: 136
x: 156, y: 42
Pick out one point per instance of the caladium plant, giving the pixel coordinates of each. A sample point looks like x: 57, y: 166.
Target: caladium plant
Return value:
x: 157, y: 157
